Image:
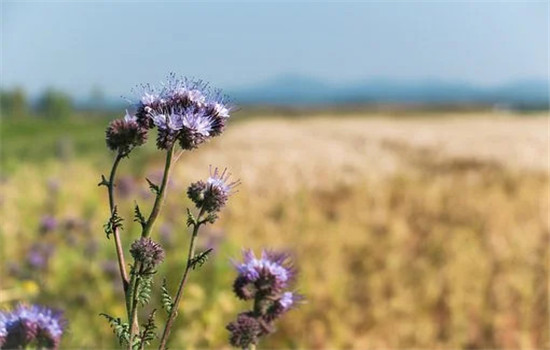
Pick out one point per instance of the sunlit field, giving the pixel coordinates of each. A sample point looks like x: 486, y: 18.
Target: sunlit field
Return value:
x: 409, y: 231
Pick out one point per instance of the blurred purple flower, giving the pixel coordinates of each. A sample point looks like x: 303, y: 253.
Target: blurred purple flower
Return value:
x: 39, y: 255
x: 269, y: 275
x: 212, y: 239
x: 91, y: 248
x: 125, y: 186
x: 110, y: 268
x: 263, y: 280
x: 48, y: 223
x: 53, y: 185
x: 166, y: 234
x: 28, y: 324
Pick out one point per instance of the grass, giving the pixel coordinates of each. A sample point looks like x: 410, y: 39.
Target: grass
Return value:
x: 407, y: 233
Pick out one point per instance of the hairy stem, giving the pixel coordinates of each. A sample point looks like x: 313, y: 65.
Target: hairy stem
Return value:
x: 173, y: 311
x: 118, y: 244
x: 132, y: 317
x: 160, y: 195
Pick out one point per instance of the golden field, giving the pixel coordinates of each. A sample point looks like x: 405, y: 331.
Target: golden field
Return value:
x: 419, y: 232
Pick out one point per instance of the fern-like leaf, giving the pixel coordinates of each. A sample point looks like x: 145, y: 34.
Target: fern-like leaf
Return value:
x: 190, y: 218
x: 114, y: 222
x: 200, y: 259
x: 149, y: 331
x: 138, y: 216
x: 145, y: 288
x: 120, y: 329
x: 154, y: 187
x: 166, y: 299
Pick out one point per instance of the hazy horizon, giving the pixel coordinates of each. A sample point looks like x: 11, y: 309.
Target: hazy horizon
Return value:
x: 79, y: 47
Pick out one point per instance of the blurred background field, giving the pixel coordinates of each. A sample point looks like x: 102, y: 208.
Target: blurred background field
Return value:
x: 409, y: 232
x: 399, y: 150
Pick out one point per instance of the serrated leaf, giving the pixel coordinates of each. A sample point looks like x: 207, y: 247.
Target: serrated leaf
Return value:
x: 104, y: 182
x: 190, y: 218
x: 120, y: 329
x: 166, y: 299
x: 114, y: 222
x: 149, y: 331
x: 154, y: 187
x: 138, y: 216
x: 200, y: 259
x: 145, y: 289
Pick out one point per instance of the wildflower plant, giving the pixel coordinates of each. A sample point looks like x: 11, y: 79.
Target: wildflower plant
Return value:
x: 184, y: 114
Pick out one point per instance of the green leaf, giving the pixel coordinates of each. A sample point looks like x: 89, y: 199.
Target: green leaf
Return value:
x: 114, y: 222
x: 144, y: 288
x: 166, y: 299
x: 104, y: 182
x: 200, y: 259
x: 149, y: 331
x: 190, y: 218
x: 120, y: 329
x: 154, y: 188
x: 138, y: 216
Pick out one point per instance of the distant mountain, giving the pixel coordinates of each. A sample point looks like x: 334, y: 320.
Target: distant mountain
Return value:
x: 299, y: 90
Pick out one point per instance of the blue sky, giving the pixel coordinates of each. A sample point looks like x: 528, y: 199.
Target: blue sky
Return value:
x: 114, y: 46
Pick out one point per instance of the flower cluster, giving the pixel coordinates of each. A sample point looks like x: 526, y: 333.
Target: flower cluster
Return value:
x: 266, y: 281
x: 31, y: 324
x: 147, y: 252
x: 124, y: 134
x: 184, y: 110
x: 212, y: 194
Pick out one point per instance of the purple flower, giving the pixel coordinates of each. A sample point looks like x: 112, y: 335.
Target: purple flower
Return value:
x: 183, y: 110
x: 246, y: 330
x: 147, y: 252
x: 123, y: 135
x: 268, y: 275
x: 27, y: 324
x: 285, y: 302
x: 212, y: 194
x: 265, y: 281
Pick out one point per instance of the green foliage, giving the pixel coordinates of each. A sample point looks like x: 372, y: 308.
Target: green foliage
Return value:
x: 210, y: 218
x: 114, y: 222
x: 144, y: 288
x: 149, y: 331
x: 14, y: 104
x: 154, y: 187
x: 199, y: 259
x: 55, y: 105
x: 138, y: 216
x: 166, y: 299
x: 120, y: 329
x: 191, y: 220
x: 104, y: 182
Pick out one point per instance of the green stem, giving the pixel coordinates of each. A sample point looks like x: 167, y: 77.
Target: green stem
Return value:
x: 173, y: 311
x: 132, y: 316
x: 118, y: 244
x: 160, y: 195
